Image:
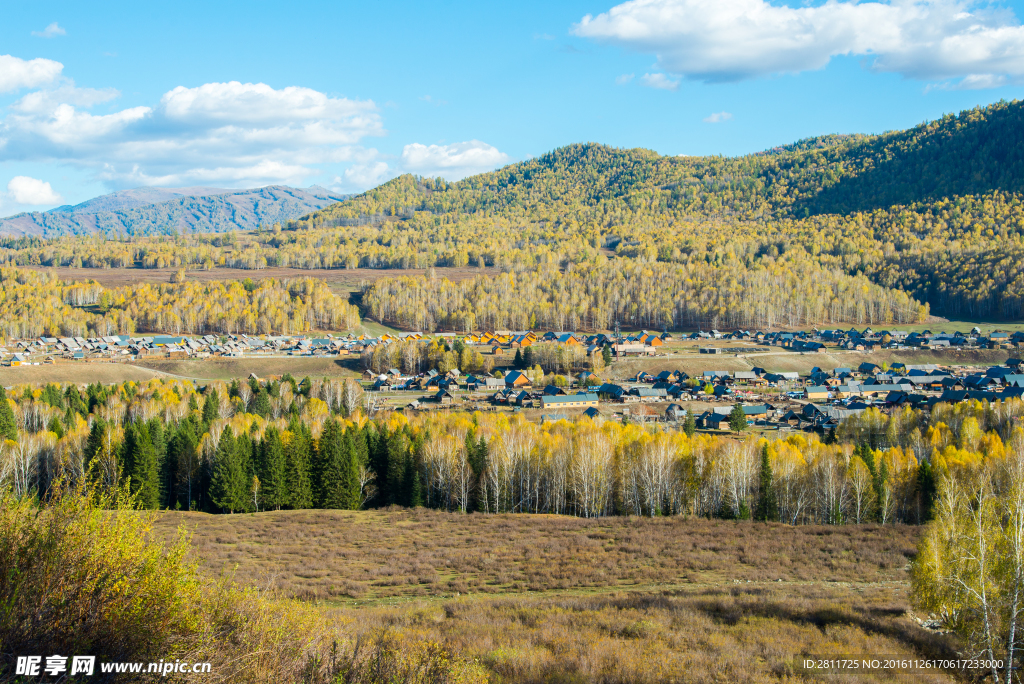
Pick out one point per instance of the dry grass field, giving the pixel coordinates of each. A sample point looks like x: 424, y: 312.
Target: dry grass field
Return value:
x: 206, y: 369
x: 685, y: 358
x: 535, y: 598
x: 105, y: 373
x: 693, y: 364
x: 716, y: 634
x: 226, y: 368
x: 399, y: 553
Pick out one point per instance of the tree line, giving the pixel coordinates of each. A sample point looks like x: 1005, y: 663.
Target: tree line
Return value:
x: 36, y: 303
x: 642, y: 295
x: 267, y: 445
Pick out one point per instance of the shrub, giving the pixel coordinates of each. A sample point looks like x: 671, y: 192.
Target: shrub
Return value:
x: 83, y: 575
x: 81, y: 579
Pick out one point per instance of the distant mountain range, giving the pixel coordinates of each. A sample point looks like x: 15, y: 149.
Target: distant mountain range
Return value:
x: 161, y: 211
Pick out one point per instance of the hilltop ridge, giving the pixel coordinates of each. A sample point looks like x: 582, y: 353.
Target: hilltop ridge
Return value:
x: 837, y: 228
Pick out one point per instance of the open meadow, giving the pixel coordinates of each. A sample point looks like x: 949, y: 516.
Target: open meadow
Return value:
x: 538, y: 598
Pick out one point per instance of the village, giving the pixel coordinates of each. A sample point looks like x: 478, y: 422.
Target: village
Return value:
x: 771, y: 399
x: 125, y: 348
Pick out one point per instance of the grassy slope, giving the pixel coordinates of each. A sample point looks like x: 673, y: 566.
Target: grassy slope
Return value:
x: 105, y: 373
x: 227, y: 368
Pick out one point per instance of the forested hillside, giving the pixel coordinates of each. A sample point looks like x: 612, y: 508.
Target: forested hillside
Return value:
x: 842, y: 228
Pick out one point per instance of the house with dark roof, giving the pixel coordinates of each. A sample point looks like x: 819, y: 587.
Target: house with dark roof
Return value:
x: 675, y: 412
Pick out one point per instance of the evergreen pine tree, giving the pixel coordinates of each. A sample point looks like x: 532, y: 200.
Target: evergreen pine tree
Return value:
x: 318, y: 464
x: 157, y: 437
x: 228, y: 483
x: 528, y: 357
x: 211, y: 407
x: 377, y: 443
x: 472, y: 453
x: 261, y: 406
x: 606, y: 355
x: 145, y: 469
x: 351, y: 467
x: 332, y: 459
x: 126, y: 458
x: 361, y: 442
x: 244, y: 450
x: 767, y: 506
x: 413, y: 483
x: 181, y: 465
x: 8, y: 425
x: 925, y: 491
x: 70, y: 419
x: 737, y: 419
x: 56, y: 427
x: 75, y: 401
x: 690, y: 424
x: 517, y: 362
x: 300, y: 493
x: 271, y: 471
x: 881, y: 482
x: 868, y: 456
x: 397, y: 492
x: 94, y: 444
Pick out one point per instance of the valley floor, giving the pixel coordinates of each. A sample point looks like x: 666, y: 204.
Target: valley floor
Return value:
x: 540, y: 598
x: 676, y: 356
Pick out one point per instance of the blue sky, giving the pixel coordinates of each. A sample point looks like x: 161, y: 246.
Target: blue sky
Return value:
x: 95, y: 98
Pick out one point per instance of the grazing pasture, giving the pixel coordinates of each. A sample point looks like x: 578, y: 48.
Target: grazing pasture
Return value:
x: 324, y: 554
x: 536, y: 598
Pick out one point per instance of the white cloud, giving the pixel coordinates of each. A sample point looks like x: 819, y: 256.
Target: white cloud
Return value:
x: 50, y: 31
x: 365, y: 175
x: 624, y: 79
x: 257, y: 103
x: 20, y: 73
x: 454, y: 161
x: 959, y: 41
x: 25, y: 190
x: 230, y: 134
x: 660, y: 81
x: 46, y: 101
x: 718, y: 117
